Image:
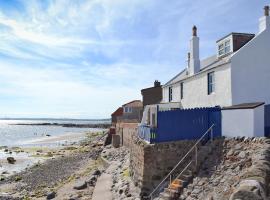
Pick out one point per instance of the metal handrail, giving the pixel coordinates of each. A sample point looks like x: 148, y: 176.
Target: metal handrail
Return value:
x: 193, y: 147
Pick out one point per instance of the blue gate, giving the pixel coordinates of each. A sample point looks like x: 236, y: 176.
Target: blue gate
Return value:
x: 187, y: 124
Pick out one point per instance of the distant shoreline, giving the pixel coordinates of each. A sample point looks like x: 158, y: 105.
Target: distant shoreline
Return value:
x: 67, y: 125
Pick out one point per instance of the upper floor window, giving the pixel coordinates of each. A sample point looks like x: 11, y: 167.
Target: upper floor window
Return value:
x: 170, y: 94
x: 211, y: 82
x: 182, y: 90
x: 224, y: 47
x: 127, y: 109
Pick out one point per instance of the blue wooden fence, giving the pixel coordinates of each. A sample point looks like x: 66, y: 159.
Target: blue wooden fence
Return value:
x: 182, y: 124
x: 187, y: 124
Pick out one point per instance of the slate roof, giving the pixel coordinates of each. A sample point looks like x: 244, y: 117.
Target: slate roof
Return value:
x: 206, y: 64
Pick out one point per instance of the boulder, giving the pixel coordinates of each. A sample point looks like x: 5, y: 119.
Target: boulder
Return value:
x: 80, y: 185
x: 11, y: 160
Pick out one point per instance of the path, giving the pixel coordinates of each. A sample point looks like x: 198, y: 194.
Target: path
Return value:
x: 104, y: 183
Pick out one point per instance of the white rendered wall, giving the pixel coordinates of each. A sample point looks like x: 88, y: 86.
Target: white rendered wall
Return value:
x: 196, y: 90
x: 259, y: 121
x: 238, y: 123
x: 243, y: 122
x: 175, y: 93
x: 251, y: 71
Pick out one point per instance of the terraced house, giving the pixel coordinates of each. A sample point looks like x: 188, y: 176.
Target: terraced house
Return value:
x: 238, y: 73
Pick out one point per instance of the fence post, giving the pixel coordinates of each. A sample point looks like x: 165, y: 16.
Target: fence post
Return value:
x: 196, y: 156
x: 211, y: 134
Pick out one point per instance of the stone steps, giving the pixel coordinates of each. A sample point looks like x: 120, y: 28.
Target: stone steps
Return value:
x: 175, y: 189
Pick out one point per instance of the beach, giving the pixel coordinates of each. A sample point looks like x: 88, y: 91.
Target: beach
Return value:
x: 38, y: 172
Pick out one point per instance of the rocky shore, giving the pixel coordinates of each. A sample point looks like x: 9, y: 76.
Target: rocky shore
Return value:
x: 62, y: 176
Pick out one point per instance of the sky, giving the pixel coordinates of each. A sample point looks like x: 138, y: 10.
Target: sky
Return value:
x: 85, y: 58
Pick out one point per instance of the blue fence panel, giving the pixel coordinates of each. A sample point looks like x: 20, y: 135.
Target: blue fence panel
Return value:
x: 147, y: 133
x: 187, y: 124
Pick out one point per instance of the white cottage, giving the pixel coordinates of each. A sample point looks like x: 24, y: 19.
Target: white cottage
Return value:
x: 238, y: 73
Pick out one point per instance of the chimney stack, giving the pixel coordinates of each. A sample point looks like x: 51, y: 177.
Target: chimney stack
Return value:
x: 194, y: 61
x: 264, y: 22
x: 266, y: 10
x: 156, y: 83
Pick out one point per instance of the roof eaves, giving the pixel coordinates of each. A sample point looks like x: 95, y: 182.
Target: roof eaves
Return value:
x: 174, y: 77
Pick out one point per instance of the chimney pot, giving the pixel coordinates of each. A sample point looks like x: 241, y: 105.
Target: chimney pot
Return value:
x: 194, y: 31
x: 266, y: 11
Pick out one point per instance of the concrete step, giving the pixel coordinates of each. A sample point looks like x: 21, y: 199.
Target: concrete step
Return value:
x: 172, y: 191
x: 186, y: 177
x: 165, y: 196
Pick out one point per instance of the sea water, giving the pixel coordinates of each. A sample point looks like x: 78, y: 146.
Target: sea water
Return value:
x: 13, y: 135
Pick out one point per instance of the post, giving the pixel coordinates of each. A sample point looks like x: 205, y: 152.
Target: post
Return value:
x: 211, y: 134
x: 170, y: 184
x: 196, y: 156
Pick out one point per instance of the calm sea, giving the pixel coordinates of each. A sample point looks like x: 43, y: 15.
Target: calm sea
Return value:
x: 24, y: 135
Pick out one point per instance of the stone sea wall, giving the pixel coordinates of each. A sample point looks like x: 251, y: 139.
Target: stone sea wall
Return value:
x: 150, y: 163
x: 255, y: 181
x: 127, y: 132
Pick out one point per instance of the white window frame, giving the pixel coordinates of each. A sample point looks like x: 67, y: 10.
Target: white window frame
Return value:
x: 212, y: 83
x: 224, y: 47
x: 127, y: 109
x: 170, y: 94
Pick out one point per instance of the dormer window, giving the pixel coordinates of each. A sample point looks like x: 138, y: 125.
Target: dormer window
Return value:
x: 224, y: 47
x: 232, y: 42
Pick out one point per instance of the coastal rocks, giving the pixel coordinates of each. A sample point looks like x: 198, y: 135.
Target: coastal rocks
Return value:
x: 11, y: 160
x: 80, y: 185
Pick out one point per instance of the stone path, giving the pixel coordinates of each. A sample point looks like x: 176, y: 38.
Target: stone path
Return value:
x: 103, y: 186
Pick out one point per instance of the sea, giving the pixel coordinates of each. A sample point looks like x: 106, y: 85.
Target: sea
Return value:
x: 13, y: 135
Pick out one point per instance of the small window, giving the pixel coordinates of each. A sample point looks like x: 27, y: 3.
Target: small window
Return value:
x: 170, y: 94
x: 127, y: 109
x: 182, y: 90
x: 211, y: 83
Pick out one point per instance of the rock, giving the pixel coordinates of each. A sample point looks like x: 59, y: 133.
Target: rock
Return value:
x: 51, y: 195
x: 242, y: 155
x: 11, y: 160
x: 6, y: 150
x: 230, y: 153
x: 96, y: 172
x: 80, y: 185
x: 92, y: 180
x: 238, y: 147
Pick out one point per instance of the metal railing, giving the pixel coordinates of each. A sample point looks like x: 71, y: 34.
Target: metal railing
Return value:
x: 169, y: 178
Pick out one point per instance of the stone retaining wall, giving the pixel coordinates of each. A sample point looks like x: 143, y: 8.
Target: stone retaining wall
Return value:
x: 254, y: 184
x: 127, y: 132
x: 149, y: 164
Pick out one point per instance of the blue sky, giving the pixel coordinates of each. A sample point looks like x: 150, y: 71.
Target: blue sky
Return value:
x: 83, y: 59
